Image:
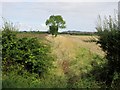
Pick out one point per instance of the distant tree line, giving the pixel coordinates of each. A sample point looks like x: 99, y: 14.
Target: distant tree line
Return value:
x: 64, y: 32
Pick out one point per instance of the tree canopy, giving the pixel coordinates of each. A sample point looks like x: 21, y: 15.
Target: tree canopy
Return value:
x: 54, y: 23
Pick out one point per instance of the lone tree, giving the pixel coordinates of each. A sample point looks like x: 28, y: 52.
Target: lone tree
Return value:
x: 109, y: 40
x: 54, y: 23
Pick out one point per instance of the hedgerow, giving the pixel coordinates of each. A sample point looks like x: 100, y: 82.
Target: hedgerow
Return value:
x: 28, y: 53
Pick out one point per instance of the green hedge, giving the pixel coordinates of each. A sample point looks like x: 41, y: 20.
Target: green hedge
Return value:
x: 28, y: 53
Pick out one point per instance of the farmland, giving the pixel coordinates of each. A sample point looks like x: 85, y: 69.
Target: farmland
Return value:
x: 73, y: 57
x: 76, y: 64
x: 60, y: 45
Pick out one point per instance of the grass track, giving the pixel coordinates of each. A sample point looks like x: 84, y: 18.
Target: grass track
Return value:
x: 71, y: 49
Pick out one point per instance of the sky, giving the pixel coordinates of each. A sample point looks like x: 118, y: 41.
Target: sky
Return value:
x: 79, y: 16
x: 59, y: 0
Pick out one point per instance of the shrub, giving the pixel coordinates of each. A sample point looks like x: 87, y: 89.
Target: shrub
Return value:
x: 109, y: 40
x: 9, y: 41
x: 28, y: 80
x: 13, y: 80
x: 88, y: 82
x: 53, y: 81
x: 28, y: 53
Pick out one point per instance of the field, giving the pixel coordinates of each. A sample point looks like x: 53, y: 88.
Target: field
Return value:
x: 41, y: 60
x: 71, y: 48
x: 73, y: 55
x: 68, y: 43
x: 73, y: 52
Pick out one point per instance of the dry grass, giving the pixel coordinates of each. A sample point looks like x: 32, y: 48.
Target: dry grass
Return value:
x: 66, y: 47
x: 80, y: 41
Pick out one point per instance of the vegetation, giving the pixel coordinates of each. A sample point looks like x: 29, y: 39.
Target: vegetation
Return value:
x: 75, y: 78
x: 109, y: 40
x: 75, y: 62
x: 78, y: 33
x: 54, y: 23
x: 27, y: 63
x: 24, y: 53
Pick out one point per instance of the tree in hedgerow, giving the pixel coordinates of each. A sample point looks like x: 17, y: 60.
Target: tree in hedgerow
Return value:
x: 54, y: 23
x: 109, y: 40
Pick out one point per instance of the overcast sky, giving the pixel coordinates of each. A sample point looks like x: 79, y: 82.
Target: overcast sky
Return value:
x: 80, y: 16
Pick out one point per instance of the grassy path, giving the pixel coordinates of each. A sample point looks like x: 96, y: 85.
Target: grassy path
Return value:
x: 63, y: 47
x: 66, y: 47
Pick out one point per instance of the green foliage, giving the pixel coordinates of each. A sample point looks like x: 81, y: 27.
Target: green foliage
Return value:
x: 53, y: 81
x: 8, y: 41
x: 54, y: 23
x: 28, y: 80
x: 85, y: 70
x: 87, y: 82
x: 27, y: 52
x: 0, y: 50
x: 53, y: 30
x: 13, y: 80
x: 116, y: 81
x: 109, y: 40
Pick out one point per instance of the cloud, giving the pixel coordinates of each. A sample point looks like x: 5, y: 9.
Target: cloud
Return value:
x: 23, y: 27
x: 31, y: 27
x: 43, y: 27
x: 79, y: 16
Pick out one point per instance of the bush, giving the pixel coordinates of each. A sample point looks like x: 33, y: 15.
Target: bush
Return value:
x: 28, y: 53
x: 109, y: 40
x: 88, y: 82
x: 28, y: 80
x: 53, y: 81
x: 85, y: 70
x: 116, y: 81
x: 13, y: 80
